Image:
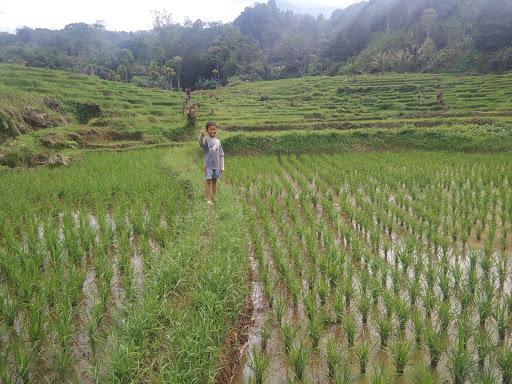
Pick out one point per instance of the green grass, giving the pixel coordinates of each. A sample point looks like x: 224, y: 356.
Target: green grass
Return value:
x: 473, y: 138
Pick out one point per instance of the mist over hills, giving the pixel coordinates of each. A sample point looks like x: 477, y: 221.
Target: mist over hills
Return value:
x: 307, y: 9
x: 267, y: 42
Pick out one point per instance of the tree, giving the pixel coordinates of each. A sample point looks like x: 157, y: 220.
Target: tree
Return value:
x: 428, y: 19
x: 401, y: 59
x: 380, y: 61
x: 349, y: 42
x: 216, y: 74
x: 428, y: 48
x: 176, y: 64
x: 168, y: 73
x: 125, y: 64
x: 493, y: 27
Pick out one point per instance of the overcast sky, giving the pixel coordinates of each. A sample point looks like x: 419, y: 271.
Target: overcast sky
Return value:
x: 125, y: 15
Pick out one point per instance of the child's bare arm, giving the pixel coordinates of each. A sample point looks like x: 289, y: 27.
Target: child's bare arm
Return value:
x: 221, y: 159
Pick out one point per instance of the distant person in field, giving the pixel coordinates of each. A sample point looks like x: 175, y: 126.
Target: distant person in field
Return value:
x: 213, y: 159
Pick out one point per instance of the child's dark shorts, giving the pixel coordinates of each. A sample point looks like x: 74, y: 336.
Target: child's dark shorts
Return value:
x: 212, y: 173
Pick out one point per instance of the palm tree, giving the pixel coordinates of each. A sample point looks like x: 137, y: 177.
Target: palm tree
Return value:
x: 380, y: 61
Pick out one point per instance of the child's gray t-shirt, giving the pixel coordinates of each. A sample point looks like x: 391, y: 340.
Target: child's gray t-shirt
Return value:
x: 213, y: 153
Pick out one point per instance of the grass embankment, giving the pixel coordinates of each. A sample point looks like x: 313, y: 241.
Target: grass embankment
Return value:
x: 114, y: 269
x: 493, y: 138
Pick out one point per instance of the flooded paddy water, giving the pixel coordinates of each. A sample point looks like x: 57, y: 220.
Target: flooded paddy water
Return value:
x: 379, y: 261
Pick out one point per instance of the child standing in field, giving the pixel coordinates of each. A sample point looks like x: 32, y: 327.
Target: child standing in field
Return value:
x: 213, y: 160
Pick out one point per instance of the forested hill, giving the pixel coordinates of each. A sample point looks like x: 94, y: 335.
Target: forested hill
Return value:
x: 264, y: 42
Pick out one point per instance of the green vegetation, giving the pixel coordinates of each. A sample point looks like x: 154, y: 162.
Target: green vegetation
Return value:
x: 114, y: 265
x: 267, y: 41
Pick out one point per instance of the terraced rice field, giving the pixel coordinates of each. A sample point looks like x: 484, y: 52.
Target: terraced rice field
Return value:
x: 388, y: 267
x: 311, y: 102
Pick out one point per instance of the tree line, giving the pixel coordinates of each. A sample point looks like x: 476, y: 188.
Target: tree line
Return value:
x: 265, y: 42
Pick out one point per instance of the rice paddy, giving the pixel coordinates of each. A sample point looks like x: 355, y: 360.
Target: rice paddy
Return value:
x: 362, y: 233
x: 389, y: 267
x: 103, y: 273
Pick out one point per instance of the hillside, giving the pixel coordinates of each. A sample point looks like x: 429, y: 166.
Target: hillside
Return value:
x: 265, y: 43
x: 130, y: 116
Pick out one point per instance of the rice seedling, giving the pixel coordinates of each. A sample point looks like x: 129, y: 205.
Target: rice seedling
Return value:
x: 8, y: 307
x: 379, y: 376
x: 504, y: 361
x: 265, y: 334
x: 414, y: 291
x: 310, y: 307
x: 460, y: 364
x: 323, y: 291
x: 289, y: 332
x: 315, y: 326
x: 279, y: 309
x: 444, y: 315
x: 348, y: 291
x: 338, y: 306
x: 402, y: 311
x: 97, y: 314
x: 36, y: 320
x: 362, y: 352
x: 388, y: 300
x: 349, y: 326
x: 299, y: 359
x: 384, y: 327
x: 22, y: 360
x: 418, y: 326
x: 343, y: 375
x: 502, y: 319
x: 331, y: 358
x: 258, y: 364
x: 401, y: 352
x: 486, y: 376
x: 363, y: 306
x: 423, y: 376
x: 435, y: 342
x: 429, y: 302
x: 464, y: 330
x: 484, y: 347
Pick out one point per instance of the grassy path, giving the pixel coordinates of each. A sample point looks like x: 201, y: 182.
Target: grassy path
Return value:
x: 193, y: 295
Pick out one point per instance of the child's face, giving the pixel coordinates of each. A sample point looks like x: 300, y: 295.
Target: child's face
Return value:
x: 212, y: 130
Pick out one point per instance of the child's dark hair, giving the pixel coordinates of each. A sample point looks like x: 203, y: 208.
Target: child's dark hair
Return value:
x: 209, y: 124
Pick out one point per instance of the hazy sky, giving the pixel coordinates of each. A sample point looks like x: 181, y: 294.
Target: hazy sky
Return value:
x: 126, y: 15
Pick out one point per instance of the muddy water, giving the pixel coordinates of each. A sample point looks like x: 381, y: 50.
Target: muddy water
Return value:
x: 137, y: 267
x: 82, y: 351
x: 242, y: 372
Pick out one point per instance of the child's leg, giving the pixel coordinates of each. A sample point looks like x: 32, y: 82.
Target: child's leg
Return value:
x: 208, y: 189
x: 214, y: 188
